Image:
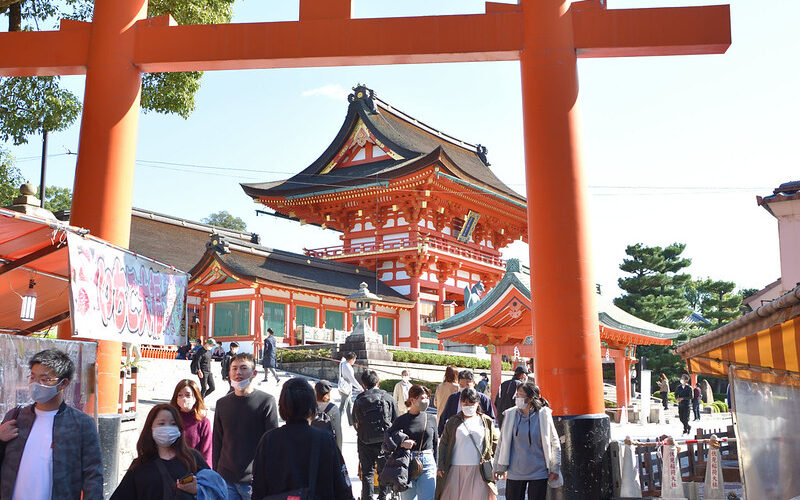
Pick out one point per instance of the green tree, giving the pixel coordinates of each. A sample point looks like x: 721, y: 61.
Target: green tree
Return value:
x: 56, y: 198
x: 226, y: 220
x: 161, y: 92
x: 716, y: 301
x: 656, y: 291
x: 745, y: 293
x: 10, y: 178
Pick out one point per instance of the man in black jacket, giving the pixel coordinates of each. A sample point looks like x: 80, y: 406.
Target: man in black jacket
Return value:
x: 226, y: 363
x: 508, y: 392
x: 201, y: 364
x: 453, y: 405
x: 373, y: 412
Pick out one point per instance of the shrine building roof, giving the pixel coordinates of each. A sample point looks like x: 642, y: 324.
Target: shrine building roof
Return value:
x: 502, y: 316
x: 404, y: 145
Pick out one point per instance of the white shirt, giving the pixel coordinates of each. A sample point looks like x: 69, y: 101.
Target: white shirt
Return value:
x: 35, y: 476
x: 464, y: 450
x: 347, y: 378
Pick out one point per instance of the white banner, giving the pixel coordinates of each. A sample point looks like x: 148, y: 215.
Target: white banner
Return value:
x: 116, y: 295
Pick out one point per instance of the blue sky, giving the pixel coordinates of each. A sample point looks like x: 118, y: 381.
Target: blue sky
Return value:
x: 675, y: 148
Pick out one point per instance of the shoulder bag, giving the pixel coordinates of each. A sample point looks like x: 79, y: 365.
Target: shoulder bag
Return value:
x: 485, y: 465
x: 415, y: 465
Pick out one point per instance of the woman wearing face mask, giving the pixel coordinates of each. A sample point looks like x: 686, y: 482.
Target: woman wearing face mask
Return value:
x: 196, y: 426
x: 422, y: 441
x: 401, y: 392
x: 469, y: 439
x: 163, y: 460
x: 529, y: 450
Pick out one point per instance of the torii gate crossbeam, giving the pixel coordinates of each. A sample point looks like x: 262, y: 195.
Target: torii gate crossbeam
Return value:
x: 546, y: 36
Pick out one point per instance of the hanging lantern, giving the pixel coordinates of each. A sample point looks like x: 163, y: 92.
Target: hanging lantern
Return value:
x: 28, y: 304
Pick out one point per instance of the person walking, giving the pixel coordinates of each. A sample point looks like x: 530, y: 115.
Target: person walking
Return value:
x: 201, y: 365
x: 310, y: 464
x: 698, y: 395
x: 196, y: 426
x: 529, y: 451
x: 684, y: 396
x: 401, y: 392
x: 663, y: 388
x: 241, y: 418
x: 226, y: 363
x: 453, y: 405
x: 508, y: 391
x: 467, y: 445
x: 422, y: 440
x: 49, y: 449
x: 483, y: 384
x: 347, y: 383
x: 324, y: 405
x: 373, y: 412
x: 163, y: 460
x: 445, y: 389
x: 269, y: 360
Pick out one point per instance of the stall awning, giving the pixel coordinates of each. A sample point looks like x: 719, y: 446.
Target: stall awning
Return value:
x: 763, y: 343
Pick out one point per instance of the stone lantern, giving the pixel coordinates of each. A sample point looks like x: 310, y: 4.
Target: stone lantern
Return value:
x: 366, y: 343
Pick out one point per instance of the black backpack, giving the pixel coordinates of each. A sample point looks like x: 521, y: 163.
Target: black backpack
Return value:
x: 323, y: 421
x: 375, y: 417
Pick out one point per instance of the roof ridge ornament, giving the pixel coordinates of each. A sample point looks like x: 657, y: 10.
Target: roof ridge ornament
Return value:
x: 482, y: 152
x: 217, y: 243
x: 362, y: 93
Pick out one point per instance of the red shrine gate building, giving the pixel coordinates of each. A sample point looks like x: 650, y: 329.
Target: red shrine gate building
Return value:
x: 420, y: 208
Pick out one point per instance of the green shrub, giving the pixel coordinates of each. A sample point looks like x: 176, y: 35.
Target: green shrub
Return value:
x: 610, y: 404
x: 670, y: 396
x: 388, y: 384
x: 722, y: 406
x: 714, y: 407
x: 443, y: 360
x: 302, y: 355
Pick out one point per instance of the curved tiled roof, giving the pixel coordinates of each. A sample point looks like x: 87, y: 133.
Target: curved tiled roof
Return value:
x: 411, y: 139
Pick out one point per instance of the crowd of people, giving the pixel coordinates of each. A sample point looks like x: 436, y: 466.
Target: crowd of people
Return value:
x: 455, y: 452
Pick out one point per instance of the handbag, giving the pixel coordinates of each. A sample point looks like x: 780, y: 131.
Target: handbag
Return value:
x: 302, y: 493
x: 415, y: 465
x: 485, y: 466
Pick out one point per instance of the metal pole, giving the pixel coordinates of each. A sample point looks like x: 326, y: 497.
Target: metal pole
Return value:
x: 44, y: 166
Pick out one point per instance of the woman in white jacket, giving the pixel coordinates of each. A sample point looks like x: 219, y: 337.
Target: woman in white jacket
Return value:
x: 529, y: 451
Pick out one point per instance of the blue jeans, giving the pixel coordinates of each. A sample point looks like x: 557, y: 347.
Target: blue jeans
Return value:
x: 423, y: 487
x: 238, y: 491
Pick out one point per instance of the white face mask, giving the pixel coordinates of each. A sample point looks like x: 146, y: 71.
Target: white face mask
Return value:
x: 187, y: 403
x: 469, y: 411
x: 423, y: 404
x: 241, y: 384
x: 406, y: 379
x: 521, y: 403
x: 166, y: 435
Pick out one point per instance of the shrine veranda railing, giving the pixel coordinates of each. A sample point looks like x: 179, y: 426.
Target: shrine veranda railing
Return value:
x: 401, y: 244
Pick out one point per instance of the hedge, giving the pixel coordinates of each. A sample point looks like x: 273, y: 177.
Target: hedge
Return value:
x: 610, y: 404
x: 670, y: 396
x: 444, y: 360
x: 388, y: 385
x: 302, y: 355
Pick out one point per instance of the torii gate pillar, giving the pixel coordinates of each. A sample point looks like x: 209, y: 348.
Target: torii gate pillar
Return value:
x: 567, y: 357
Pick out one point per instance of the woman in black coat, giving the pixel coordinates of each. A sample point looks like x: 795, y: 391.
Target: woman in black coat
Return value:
x: 306, y: 452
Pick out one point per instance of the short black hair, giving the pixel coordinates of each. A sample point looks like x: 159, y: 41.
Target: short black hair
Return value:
x: 269, y: 330
x: 297, y: 401
x: 349, y: 355
x: 246, y: 356
x: 234, y: 344
x: 370, y: 378
x: 55, y: 360
x: 469, y: 395
x: 466, y: 375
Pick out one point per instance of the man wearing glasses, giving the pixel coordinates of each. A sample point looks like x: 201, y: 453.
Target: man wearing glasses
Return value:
x: 48, y: 443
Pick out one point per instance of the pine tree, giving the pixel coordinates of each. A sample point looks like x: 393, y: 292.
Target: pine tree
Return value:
x: 717, y: 301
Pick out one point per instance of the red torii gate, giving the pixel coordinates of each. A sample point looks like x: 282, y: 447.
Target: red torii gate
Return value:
x: 546, y: 36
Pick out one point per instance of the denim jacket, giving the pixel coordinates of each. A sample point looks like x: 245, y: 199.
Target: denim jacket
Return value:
x: 77, y: 464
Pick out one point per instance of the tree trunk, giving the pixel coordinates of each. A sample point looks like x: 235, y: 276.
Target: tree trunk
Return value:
x: 15, y: 16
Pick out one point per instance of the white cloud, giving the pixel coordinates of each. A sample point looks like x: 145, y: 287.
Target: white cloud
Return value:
x: 332, y: 91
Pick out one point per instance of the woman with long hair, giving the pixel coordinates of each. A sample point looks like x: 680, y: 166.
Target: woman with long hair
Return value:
x: 468, y: 441
x: 422, y: 441
x: 445, y: 389
x: 165, y: 466
x: 297, y: 458
x: 196, y: 426
x: 529, y: 450
x: 663, y: 388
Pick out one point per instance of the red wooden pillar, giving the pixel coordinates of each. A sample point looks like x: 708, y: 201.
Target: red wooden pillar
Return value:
x: 497, y: 372
x: 414, y: 295
x: 568, y: 367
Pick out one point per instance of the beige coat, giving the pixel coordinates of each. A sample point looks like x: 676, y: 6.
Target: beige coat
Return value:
x: 443, y: 391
